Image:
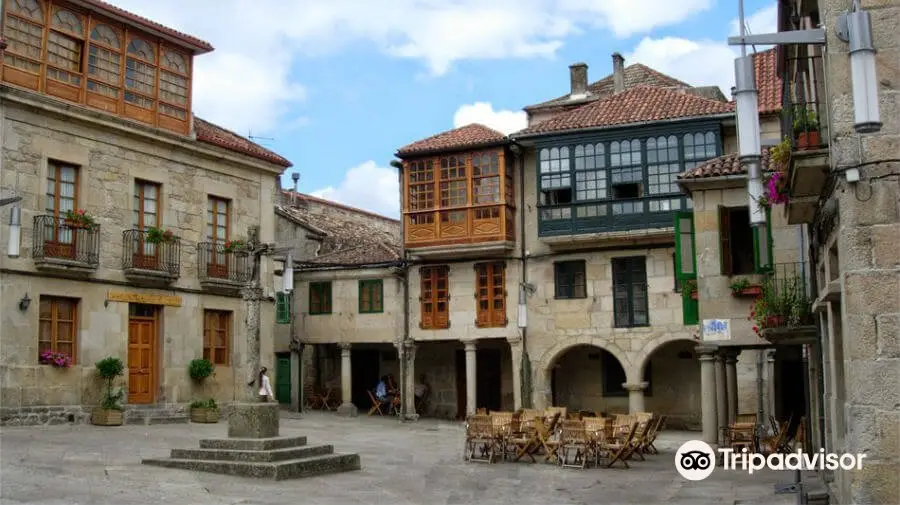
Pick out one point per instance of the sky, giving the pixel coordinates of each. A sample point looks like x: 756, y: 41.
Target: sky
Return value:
x: 338, y: 86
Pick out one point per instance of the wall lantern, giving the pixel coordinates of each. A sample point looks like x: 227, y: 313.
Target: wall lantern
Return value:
x: 855, y: 27
x: 15, y: 232
x: 24, y: 303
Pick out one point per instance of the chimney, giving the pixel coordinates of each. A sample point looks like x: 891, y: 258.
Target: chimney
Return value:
x: 578, y: 79
x: 295, y: 177
x: 618, y: 72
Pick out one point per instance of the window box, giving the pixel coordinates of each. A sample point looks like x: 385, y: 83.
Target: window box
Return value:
x: 742, y: 288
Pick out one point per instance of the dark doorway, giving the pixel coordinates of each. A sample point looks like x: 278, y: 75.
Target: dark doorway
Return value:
x: 790, y: 400
x: 460, y: 384
x: 365, y: 365
x: 283, y: 377
x: 487, y: 373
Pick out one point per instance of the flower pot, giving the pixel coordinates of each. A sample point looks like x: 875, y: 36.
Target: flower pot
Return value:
x: 203, y: 415
x: 106, y: 417
x: 695, y: 295
x: 748, y: 292
x: 808, y: 140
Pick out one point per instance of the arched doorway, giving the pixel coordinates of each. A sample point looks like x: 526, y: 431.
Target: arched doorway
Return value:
x: 673, y: 372
x: 588, y: 378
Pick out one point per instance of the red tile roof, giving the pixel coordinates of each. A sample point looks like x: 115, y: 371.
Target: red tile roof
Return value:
x: 472, y: 135
x: 641, y: 104
x: 768, y: 81
x: 635, y: 75
x: 218, y: 136
x: 200, y: 46
x: 722, y: 166
x: 286, y: 197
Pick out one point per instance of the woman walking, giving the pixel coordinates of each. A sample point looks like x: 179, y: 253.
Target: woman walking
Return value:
x: 265, y: 387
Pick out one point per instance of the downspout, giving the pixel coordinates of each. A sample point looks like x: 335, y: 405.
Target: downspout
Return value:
x: 523, y: 293
x: 403, y: 274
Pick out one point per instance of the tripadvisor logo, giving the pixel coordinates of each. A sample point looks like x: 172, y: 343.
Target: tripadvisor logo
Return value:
x: 696, y: 460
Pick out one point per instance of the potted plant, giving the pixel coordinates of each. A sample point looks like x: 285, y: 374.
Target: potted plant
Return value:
x: 203, y: 411
x: 690, y: 286
x: 235, y: 245
x: 160, y: 235
x: 79, y: 219
x: 787, y: 307
x: 806, y: 129
x: 743, y: 287
x: 56, y: 359
x: 109, y: 413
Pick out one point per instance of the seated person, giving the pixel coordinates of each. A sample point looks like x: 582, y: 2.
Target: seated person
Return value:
x: 381, y: 390
x: 421, y: 388
x: 391, y: 385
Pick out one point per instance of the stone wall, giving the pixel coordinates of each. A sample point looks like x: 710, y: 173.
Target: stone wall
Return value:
x: 110, y: 160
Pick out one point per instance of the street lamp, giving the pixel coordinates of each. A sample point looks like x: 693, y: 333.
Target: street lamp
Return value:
x: 855, y: 27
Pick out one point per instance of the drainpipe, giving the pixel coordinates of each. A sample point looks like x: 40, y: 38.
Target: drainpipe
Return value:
x: 403, y: 274
x: 526, y: 392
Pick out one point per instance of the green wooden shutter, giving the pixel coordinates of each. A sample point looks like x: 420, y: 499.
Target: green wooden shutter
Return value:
x: 282, y: 308
x: 283, y: 379
x: 762, y: 245
x: 686, y: 264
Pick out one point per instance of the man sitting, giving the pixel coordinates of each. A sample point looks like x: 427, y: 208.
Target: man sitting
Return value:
x: 381, y: 389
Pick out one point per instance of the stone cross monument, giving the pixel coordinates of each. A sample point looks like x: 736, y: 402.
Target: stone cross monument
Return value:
x: 253, y: 295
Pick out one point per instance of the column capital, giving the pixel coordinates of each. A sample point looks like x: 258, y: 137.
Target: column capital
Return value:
x: 469, y: 345
x: 638, y: 386
x: 730, y: 355
x: 345, y: 346
x: 706, y: 350
x: 514, y: 341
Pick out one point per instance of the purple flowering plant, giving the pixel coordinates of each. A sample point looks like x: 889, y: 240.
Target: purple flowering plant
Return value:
x: 57, y: 359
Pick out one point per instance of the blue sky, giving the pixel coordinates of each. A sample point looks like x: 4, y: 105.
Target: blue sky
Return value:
x: 338, y: 86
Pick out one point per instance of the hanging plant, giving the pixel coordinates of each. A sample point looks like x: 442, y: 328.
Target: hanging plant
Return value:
x: 160, y: 235
x: 79, y: 219
x: 235, y: 245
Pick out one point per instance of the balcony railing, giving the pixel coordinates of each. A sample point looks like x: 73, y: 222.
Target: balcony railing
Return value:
x: 610, y: 216
x: 61, y: 242
x: 216, y: 263
x: 464, y: 225
x: 804, y: 118
x: 141, y: 254
x: 783, y: 311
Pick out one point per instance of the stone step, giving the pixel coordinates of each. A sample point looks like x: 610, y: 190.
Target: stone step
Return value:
x: 167, y: 420
x: 254, y: 456
x: 280, y: 470
x: 252, y: 444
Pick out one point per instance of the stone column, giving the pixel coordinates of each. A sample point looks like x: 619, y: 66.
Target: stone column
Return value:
x: 708, y: 395
x: 635, y: 396
x: 470, y: 377
x: 347, y: 408
x: 766, y: 404
x: 515, y: 347
x: 409, y: 389
x: 731, y: 359
x: 770, y: 381
x: 296, y: 375
x: 252, y: 296
x: 721, y: 398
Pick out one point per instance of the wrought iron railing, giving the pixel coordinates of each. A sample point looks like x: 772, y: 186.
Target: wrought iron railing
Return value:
x: 142, y: 252
x: 804, y: 117
x: 786, y: 295
x: 218, y: 262
x: 55, y: 238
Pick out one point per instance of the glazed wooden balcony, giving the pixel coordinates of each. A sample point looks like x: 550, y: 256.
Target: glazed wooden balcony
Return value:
x: 481, y: 227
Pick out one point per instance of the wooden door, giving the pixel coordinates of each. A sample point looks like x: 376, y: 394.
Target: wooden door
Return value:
x: 460, y: 384
x: 283, y: 378
x: 142, y: 339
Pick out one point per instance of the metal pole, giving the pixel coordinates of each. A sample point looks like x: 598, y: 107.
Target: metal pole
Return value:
x: 743, y: 29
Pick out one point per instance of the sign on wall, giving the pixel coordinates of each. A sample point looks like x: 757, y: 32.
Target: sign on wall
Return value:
x: 716, y: 329
x: 122, y: 296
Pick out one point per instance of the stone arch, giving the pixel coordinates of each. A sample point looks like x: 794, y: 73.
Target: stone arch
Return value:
x: 542, y: 394
x: 674, y: 385
x: 650, y: 348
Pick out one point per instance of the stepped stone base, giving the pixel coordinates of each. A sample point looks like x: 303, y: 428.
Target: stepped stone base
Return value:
x: 277, y: 458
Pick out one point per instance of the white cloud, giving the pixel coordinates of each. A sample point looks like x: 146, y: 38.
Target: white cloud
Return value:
x: 367, y: 186
x: 247, y: 83
x: 506, y: 121
x: 701, y: 62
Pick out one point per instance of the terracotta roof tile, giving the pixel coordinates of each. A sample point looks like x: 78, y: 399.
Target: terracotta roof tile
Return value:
x: 635, y: 75
x: 768, y: 81
x: 218, y: 136
x: 722, y: 166
x: 472, y: 135
x: 636, y: 105
x: 201, y: 46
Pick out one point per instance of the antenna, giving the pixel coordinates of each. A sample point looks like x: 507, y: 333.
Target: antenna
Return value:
x: 255, y: 138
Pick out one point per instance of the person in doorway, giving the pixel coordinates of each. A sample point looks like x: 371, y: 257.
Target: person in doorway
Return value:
x: 421, y: 390
x: 381, y: 390
x: 265, y: 387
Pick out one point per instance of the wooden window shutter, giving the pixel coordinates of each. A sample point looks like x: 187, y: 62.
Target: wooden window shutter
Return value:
x: 442, y: 297
x: 282, y: 308
x: 725, y: 241
x: 498, y: 294
x: 685, y: 255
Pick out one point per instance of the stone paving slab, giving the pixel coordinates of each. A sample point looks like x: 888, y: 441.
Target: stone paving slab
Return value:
x: 415, y: 463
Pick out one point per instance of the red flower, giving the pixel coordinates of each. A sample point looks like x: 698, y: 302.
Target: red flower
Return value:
x: 755, y: 329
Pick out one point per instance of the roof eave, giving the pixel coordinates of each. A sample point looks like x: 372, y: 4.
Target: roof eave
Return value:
x: 516, y: 137
x: 561, y: 103
x: 406, y: 155
x: 713, y: 182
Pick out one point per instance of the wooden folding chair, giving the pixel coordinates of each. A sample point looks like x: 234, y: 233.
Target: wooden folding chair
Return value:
x: 649, y: 448
x: 620, y: 449
x: 481, y: 442
x: 313, y: 399
x: 376, y: 403
x: 777, y: 443
x: 637, y: 442
x: 595, y: 429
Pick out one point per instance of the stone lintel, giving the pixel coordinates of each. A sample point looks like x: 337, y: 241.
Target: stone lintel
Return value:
x: 253, y: 420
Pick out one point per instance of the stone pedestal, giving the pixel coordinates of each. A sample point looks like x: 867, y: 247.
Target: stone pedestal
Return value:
x: 253, y: 420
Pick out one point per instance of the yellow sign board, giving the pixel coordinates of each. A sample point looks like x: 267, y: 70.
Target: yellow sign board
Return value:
x: 121, y: 296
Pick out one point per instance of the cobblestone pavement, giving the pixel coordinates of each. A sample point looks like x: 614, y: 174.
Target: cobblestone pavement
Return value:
x: 412, y: 463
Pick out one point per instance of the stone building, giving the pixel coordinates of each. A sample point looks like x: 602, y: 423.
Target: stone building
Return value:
x: 844, y: 188
x: 95, y: 116
x: 348, y: 305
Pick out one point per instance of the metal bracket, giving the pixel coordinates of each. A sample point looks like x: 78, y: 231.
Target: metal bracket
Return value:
x: 842, y: 28
x: 810, y: 36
